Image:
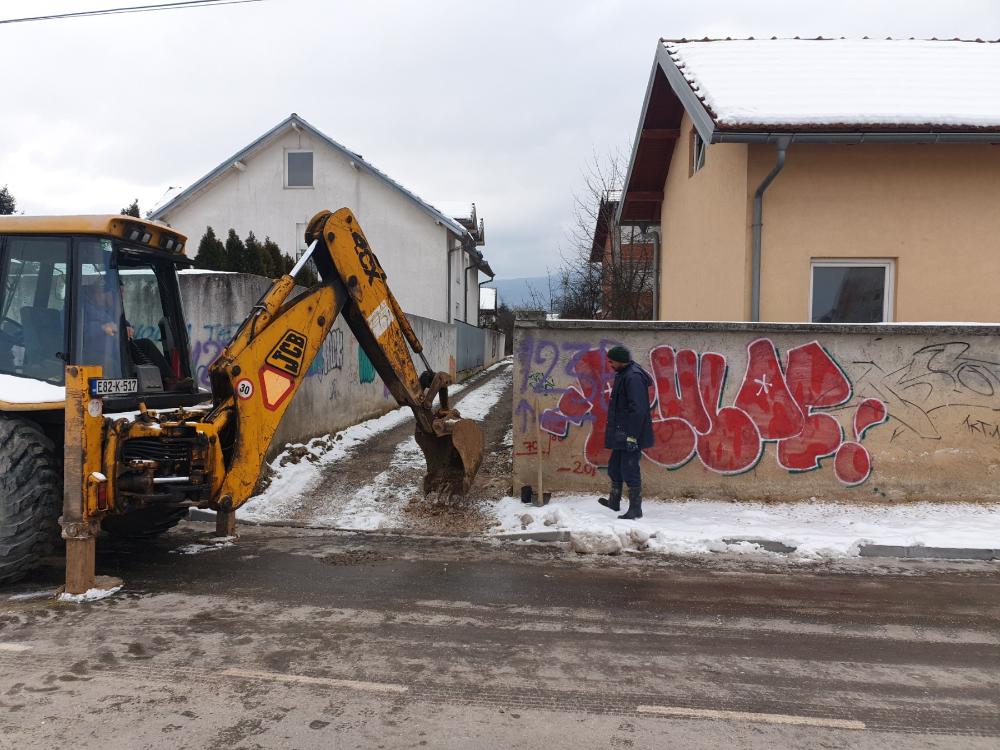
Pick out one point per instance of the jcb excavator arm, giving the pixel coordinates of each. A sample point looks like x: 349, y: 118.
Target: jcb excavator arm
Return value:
x: 258, y: 373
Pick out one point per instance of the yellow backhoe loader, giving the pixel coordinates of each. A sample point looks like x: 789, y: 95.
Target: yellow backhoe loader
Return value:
x: 96, y: 381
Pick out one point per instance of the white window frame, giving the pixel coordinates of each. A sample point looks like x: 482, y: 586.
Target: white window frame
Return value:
x: 699, y: 151
x: 300, y: 238
x: 888, y: 297
x: 300, y: 151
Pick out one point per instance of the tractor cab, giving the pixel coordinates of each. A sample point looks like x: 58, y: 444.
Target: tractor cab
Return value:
x: 95, y: 290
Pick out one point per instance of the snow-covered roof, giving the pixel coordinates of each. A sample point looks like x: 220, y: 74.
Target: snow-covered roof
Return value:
x: 174, y: 199
x: 843, y: 83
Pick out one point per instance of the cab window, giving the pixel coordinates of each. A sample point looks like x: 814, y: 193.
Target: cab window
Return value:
x: 33, y: 307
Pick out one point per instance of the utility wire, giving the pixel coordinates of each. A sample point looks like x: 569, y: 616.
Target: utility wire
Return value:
x: 181, y: 5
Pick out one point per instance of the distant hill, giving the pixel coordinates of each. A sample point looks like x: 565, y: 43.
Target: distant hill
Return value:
x: 518, y: 292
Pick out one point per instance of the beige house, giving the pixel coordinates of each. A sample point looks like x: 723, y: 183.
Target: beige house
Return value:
x: 821, y: 180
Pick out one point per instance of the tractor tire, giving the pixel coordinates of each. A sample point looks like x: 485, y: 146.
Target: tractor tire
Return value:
x: 143, y: 523
x: 30, y: 497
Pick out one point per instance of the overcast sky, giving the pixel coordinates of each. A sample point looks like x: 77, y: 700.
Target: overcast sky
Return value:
x: 501, y: 103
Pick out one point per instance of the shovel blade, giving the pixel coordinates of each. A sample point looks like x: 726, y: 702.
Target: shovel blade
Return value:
x: 452, y: 460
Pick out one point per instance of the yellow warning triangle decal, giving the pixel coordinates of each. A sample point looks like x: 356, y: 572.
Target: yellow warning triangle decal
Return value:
x: 275, y: 385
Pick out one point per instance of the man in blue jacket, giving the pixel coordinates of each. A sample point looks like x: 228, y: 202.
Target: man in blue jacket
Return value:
x: 629, y: 430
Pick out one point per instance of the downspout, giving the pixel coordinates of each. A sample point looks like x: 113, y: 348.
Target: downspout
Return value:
x: 758, y: 221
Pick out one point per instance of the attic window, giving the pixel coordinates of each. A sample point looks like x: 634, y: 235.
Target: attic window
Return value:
x: 697, y: 152
x: 299, y: 169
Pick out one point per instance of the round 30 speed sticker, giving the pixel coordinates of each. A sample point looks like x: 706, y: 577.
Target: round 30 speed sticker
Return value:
x: 244, y: 388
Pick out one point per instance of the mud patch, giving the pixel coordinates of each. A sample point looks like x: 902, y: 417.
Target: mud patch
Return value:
x: 354, y: 557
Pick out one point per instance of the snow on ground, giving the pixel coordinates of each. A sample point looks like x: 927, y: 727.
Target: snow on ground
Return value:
x: 816, y: 529
x: 478, y: 403
x: 281, y: 498
x: 216, y: 543
x: 90, y: 595
x: 376, y: 504
x: 379, y: 504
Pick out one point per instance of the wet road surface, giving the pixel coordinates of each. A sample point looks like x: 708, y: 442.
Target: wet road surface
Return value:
x: 297, y: 638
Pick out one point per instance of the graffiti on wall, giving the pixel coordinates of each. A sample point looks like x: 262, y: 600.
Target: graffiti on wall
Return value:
x: 366, y: 370
x: 330, y: 356
x: 935, y: 377
x: 786, y: 403
x: 207, y: 345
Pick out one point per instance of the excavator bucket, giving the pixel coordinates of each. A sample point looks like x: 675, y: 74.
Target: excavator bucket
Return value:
x: 452, y: 459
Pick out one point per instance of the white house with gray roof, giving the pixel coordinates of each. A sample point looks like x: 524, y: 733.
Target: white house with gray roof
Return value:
x: 277, y: 183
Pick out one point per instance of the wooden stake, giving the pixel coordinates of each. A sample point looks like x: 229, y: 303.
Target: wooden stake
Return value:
x: 80, y: 566
x: 539, y: 499
x: 225, y: 523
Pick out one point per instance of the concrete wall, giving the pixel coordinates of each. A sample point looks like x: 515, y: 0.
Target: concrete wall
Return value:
x: 933, y: 209
x: 770, y: 412
x: 411, y: 246
x: 341, y: 387
x: 704, y: 224
x: 494, y: 346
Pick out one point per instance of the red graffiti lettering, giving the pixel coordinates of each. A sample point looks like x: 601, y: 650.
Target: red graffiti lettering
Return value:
x: 870, y: 413
x: 733, y: 445
x: 773, y: 403
x: 674, y: 443
x: 820, y: 438
x: 764, y: 395
x: 853, y: 464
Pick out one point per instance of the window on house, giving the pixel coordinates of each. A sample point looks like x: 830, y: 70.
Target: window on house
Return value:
x: 697, y: 152
x: 851, y: 291
x: 298, y: 169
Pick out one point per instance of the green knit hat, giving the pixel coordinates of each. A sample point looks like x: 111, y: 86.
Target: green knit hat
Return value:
x: 620, y: 354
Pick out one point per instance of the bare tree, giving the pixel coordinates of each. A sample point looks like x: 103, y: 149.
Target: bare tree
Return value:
x: 607, y: 271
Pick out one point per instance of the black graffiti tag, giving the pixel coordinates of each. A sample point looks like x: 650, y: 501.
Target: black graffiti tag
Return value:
x: 369, y: 263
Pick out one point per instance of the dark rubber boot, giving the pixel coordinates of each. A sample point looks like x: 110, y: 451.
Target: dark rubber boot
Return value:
x: 634, y: 504
x: 614, y: 500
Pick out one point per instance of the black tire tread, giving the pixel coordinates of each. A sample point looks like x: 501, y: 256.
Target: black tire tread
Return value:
x: 30, y: 497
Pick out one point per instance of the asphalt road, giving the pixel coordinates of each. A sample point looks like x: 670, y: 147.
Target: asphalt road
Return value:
x: 305, y: 639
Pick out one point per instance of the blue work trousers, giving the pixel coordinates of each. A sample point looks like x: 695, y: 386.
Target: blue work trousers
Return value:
x: 624, y: 467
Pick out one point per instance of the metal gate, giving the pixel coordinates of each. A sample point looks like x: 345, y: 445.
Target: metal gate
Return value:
x: 469, y: 346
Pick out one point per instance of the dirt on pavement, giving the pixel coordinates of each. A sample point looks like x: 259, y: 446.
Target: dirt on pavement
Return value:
x: 385, y: 474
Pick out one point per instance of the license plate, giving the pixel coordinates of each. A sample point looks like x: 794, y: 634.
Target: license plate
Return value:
x: 102, y: 387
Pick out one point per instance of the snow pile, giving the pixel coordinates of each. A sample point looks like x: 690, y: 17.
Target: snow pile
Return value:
x: 815, y: 529
x: 845, y: 82
x: 90, y: 595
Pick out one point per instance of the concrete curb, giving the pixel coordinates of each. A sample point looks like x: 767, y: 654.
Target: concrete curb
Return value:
x: 533, y: 536
x: 929, y: 553
x: 768, y: 544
